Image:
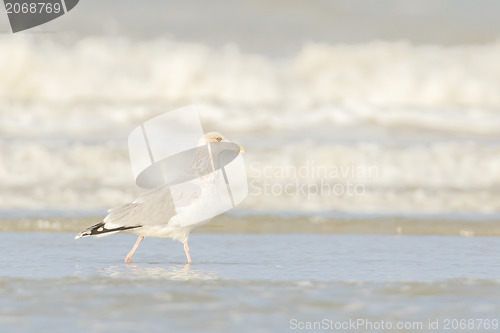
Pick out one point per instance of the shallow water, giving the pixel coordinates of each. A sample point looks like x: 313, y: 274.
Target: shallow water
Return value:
x: 51, y: 282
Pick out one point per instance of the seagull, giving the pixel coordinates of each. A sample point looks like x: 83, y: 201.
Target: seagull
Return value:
x: 153, y: 214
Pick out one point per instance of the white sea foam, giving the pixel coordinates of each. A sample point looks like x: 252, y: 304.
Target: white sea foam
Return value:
x: 446, y: 177
x: 426, y: 117
x: 389, y: 84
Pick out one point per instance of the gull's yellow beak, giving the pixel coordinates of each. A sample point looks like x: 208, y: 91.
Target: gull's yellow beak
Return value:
x: 242, y: 150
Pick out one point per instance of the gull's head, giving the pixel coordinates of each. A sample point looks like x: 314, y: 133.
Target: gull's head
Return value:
x: 214, y: 137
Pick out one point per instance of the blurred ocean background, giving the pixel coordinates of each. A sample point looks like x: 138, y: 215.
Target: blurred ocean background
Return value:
x: 323, y: 84
x: 357, y: 117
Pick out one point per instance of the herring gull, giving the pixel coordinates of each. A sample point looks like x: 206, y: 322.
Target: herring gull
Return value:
x: 152, y: 215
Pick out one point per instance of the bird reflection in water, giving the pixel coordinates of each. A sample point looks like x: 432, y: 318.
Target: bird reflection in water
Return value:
x: 175, y: 272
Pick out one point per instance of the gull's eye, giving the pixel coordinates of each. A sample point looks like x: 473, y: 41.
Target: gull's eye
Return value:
x: 218, y: 139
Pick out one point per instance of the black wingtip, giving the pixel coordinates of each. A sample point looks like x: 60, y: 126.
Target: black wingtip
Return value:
x: 100, y: 229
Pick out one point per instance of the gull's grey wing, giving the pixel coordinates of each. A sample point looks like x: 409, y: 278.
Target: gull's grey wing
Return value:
x: 153, y: 207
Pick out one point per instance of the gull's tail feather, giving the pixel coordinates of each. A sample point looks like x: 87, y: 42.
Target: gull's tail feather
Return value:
x: 100, y: 230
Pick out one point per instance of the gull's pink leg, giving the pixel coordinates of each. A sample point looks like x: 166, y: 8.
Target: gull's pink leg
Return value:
x: 128, y: 258
x: 186, y: 249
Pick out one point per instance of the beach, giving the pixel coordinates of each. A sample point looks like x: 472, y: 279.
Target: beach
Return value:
x: 267, y: 273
